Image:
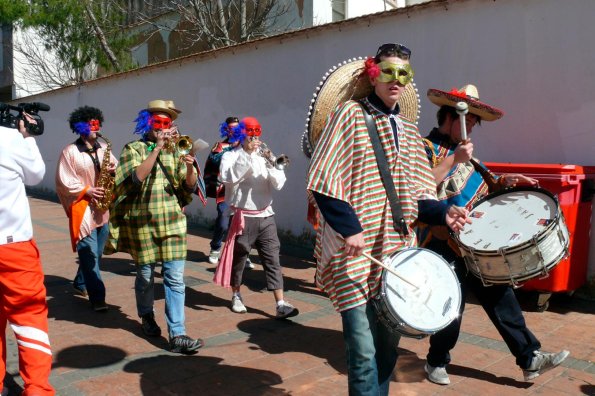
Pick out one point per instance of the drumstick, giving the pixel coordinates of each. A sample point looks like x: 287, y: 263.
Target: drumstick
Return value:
x: 389, y: 269
x: 462, y: 109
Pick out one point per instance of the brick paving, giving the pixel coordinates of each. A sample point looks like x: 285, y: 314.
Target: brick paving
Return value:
x: 253, y: 354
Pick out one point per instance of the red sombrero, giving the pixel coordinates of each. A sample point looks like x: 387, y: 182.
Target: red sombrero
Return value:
x: 469, y: 95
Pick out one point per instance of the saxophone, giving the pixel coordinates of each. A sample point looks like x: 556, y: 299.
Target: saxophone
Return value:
x: 105, y: 179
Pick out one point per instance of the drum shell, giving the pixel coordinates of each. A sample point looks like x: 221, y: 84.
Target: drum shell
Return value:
x: 521, y: 262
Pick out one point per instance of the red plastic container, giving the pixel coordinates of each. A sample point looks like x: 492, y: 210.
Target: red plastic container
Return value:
x: 568, y: 183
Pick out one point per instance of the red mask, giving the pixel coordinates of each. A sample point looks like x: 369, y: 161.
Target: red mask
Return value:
x: 252, y: 126
x: 94, y: 125
x: 160, y: 121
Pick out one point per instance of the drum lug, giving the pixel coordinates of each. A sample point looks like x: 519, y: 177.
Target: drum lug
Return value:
x: 544, y: 271
x: 514, y: 283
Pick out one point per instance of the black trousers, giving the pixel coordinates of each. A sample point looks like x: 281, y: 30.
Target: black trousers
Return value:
x: 502, y: 307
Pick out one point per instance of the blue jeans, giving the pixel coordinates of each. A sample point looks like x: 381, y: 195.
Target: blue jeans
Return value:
x: 90, y: 250
x: 221, y: 226
x: 175, y: 293
x: 371, y: 351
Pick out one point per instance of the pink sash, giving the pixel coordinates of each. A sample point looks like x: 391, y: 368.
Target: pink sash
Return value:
x: 223, y: 273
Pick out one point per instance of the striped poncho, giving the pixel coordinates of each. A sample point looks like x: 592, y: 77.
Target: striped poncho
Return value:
x: 462, y: 185
x: 344, y: 167
x: 146, y: 220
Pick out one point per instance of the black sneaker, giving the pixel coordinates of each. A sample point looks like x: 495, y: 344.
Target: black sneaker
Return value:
x: 149, y: 326
x: 186, y: 345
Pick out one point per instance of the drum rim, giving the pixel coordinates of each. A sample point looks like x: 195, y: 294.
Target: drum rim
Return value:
x: 402, y: 321
x: 514, y: 248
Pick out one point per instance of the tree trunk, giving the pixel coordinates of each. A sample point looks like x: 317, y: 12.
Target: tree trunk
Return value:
x: 101, y: 37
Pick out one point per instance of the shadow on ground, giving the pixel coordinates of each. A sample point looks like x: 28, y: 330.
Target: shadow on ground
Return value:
x: 192, y: 375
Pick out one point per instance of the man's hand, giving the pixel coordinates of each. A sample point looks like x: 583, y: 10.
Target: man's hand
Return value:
x: 514, y: 179
x: 22, y: 128
x: 95, y: 192
x: 354, y: 245
x: 456, y: 218
x: 463, y: 152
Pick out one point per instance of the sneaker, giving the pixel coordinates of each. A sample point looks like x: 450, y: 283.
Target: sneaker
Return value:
x: 149, y: 326
x: 286, y: 311
x: 437, y: 375
x: 543, y: 362
x: 214, y: 256
x: 186, y: 345
x: 237, y: 305
x: 100, y: 306
x: 249, y: 264
x: 79, y: 292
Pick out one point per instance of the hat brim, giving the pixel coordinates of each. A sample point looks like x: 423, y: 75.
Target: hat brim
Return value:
x: 173, y: 113
x: 480, y: 109
x: 347, y: 81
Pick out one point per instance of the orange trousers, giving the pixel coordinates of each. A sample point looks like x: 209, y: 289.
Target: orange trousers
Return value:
x: 23, y: 306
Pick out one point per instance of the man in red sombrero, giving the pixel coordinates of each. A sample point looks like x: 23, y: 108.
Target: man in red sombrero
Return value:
x: 462, y: 181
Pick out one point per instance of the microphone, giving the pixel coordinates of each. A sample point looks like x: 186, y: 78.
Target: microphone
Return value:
x: 41, y: 106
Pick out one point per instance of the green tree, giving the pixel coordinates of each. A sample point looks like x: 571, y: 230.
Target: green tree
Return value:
x: 86, y: 37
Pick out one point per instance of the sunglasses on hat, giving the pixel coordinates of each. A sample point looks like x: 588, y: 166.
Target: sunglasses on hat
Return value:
x: 391, y: 48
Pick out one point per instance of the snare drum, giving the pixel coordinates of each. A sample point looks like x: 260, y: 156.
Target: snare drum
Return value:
x: 516, y: 235
x: 422, y: 310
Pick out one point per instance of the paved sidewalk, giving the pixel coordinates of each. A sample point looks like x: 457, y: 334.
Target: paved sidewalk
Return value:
x: 253, y: 354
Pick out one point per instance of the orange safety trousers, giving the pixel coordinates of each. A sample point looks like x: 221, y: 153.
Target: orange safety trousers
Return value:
x: 23, y: 306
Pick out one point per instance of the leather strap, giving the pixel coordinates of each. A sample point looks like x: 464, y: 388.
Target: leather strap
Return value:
x: 398, y: 219
x: 171, y: 182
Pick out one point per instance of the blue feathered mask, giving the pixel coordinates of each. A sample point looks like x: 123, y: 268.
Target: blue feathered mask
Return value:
x: 235, y: 135
x: 143, y: 123
x: 82, y: 128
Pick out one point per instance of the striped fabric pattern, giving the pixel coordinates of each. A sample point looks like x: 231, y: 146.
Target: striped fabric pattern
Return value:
x: 344, y: 167
x: 31, y: 337
x: 146, y: 221
x: 462, y: 185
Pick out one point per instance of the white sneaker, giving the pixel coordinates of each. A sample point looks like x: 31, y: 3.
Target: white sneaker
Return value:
x: 214, y: 256
x: 286, y: 311
x: 249, y: 264
x: 543, y: 362
x: 437, y: 375
x: 237, y: 305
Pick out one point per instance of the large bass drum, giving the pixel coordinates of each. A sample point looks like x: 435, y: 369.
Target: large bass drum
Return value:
x: 423, y: 309
x: 516, y: 235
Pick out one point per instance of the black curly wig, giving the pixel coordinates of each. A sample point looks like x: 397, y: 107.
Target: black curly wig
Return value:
x: 84, y: 114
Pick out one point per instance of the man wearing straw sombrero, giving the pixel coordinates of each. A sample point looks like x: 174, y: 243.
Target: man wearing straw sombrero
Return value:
x: 357, y: 227
x: 462, y: 181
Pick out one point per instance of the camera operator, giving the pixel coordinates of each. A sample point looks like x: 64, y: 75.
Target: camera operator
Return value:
x: 22, y: 292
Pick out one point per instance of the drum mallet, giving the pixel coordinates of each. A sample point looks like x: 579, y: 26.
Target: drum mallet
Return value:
x: 389, y: 269
x: 462, y: 109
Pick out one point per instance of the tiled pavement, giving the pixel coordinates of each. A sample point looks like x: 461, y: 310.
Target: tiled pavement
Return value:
x: 253, y: 354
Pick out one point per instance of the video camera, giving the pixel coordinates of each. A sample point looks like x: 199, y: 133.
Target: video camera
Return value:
x: 10, y: 120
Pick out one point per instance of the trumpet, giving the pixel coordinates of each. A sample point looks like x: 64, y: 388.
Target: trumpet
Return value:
x: 177, y: 143
x: 281, y: 162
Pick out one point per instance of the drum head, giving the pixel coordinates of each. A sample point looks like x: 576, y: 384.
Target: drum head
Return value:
x: 509, y: 218
x: 436, y: 299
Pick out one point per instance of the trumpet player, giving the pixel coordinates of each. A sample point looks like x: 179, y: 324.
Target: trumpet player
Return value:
x: 249, y: 182
x: 77, y: 175
x: 153, y: 184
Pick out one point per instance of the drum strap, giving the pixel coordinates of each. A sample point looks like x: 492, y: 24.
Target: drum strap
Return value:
x: 398, y: 219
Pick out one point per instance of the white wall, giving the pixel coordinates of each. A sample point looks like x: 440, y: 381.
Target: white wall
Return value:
x: 535, y: 59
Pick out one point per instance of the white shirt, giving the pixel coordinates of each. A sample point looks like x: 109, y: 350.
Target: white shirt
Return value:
x: 20, y: 164
x: 249, y: 182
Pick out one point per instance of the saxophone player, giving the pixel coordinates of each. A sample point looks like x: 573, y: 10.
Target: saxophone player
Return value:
x: 77, y: 184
